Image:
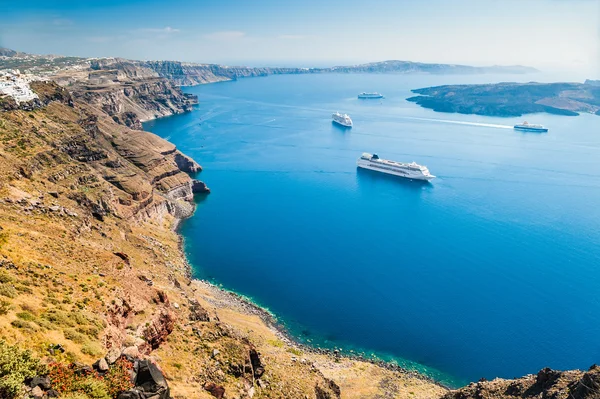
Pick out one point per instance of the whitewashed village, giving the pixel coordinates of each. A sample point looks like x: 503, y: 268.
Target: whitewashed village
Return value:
x: 16, y: 85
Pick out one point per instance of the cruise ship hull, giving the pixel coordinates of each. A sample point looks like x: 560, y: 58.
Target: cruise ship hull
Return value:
x: 341, y: 123
x: 369, y: 97
x: 531, y: 129
x: 391, y: 171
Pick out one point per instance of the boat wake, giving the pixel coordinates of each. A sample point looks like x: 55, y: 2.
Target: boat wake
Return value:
x: 493, y: 125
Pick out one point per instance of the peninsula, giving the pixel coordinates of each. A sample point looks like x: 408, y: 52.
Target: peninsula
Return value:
x: 512, y: 99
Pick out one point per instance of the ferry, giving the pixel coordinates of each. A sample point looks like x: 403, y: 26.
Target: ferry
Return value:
x: 527, y: 127
x: 370, y: 95
x: 412, y: 170
x: 342, y: 119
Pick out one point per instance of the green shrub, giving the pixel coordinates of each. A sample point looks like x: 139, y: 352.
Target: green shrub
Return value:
x: 91, y: 349
x: 24, y: 325
x: 3, y: 238
x: 16, y: 365
x: 93, y: 388
x: 5, y: 307
x: 74, y: 336
x: 7, y: 290
x: 75, y: 395
x: 5, y: 277
x: 90, y: 331
x: 59, y: 318
x: 27, y: 316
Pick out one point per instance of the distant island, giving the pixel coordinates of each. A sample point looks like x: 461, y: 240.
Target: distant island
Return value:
x: 189, y: 74
x: 512, y: 99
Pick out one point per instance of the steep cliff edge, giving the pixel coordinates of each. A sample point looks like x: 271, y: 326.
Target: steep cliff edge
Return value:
x: 547, y: 384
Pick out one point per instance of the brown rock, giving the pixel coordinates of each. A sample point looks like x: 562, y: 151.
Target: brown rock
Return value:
x: 215, y: 390
x: 159, y: 328
x: 113, y: 355
x: 123, y: 256
x: 132, y: 351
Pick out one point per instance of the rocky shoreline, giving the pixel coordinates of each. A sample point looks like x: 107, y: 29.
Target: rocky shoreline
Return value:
x: 247, y: 306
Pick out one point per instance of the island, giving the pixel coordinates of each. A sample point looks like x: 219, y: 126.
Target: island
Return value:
x: 512, y: 99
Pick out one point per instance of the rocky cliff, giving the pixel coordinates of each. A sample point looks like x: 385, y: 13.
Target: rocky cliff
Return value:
x: 189, y: 74
x: 547, y: 384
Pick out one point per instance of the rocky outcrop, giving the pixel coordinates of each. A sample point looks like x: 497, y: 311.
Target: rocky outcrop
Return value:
x: 547, y: 384
x: 149, y: 381
x: 159, y: 328
x: 186, y: 164
x: 131, y: 101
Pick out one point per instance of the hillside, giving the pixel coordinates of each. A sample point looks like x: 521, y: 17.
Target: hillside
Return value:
x: 512, y: 99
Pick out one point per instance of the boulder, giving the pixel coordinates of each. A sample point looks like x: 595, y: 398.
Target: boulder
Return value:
x: 42, y: 382
x: 215, y: 390
x: 113, y: 355
x: 149, y: 381
x: 101, y: 365
x: 197, y: 312
x: 132, y: 352
x: 37, y: 393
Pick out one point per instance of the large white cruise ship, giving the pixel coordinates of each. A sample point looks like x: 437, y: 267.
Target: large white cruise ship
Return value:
x: 409, y: 170
x: 365, y: 95
x: 342, y: 119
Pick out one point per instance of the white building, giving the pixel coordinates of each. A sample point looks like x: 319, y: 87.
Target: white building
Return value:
x: 15, y: 85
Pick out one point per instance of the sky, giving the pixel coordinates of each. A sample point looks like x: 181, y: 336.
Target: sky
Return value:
x: 560, y: 34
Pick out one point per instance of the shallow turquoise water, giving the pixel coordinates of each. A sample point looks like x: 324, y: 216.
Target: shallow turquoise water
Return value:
x: 491, y: 270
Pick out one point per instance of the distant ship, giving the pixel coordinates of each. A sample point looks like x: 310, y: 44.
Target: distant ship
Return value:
x: 370, y: 95
x: 409, y: 170
x: 530, y: 128
x: 342, y: 119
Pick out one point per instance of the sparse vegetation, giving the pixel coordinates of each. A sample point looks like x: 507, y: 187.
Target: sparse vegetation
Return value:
x: 69, y: 381
x: 15, y: 366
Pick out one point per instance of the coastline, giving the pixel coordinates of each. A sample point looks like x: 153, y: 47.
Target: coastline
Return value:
x: 248, y: 307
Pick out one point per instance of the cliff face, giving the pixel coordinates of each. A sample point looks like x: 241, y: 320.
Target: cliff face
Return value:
x: 135, y: 174
x: 547, y: 384
x: 188, y: 74
x: 129, y: 93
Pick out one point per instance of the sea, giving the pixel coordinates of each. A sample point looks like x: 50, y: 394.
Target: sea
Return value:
x: 491, y: 270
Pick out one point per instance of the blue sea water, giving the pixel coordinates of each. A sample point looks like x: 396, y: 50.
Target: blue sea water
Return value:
x: 493, y: 269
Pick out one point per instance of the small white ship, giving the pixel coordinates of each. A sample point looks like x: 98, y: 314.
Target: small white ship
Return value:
x: 530, y: 127
x: 409, y: 170
x: 342, y: 119
x: 365, y: 95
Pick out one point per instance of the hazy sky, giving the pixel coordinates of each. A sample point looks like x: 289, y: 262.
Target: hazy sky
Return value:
x: 561, y: 34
